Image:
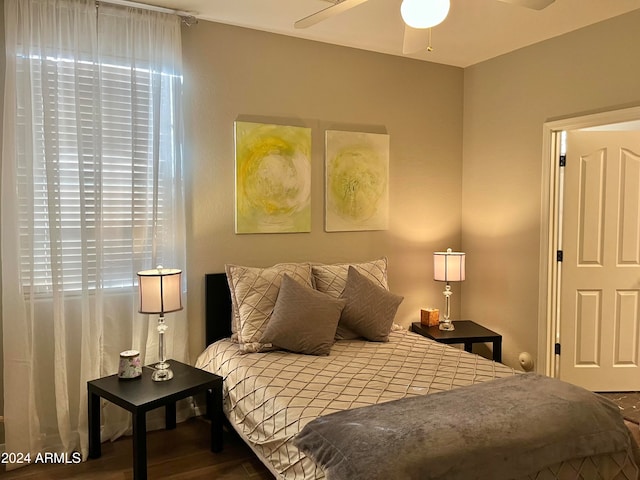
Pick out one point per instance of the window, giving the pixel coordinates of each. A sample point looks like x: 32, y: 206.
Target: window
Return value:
x: 91, y: 193
x: 95, y: 187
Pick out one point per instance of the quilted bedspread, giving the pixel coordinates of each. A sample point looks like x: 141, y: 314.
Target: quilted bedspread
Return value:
x: 270, y: 397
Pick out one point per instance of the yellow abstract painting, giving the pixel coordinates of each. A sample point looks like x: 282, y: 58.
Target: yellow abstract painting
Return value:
x: 273, y: 178
x: 357, y: 181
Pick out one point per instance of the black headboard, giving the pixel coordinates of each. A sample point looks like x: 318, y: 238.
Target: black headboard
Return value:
x: 217, y: 307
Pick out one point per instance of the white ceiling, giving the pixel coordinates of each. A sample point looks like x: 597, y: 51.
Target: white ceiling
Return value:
x: 474, y: 31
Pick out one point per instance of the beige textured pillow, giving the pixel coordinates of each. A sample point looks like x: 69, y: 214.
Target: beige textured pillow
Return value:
x: 303, y: 320
x: 370, y: 309
x: 254, y: 292
x: 331, y: 279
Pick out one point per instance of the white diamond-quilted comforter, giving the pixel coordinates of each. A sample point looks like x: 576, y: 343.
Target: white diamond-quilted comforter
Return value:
x: 270, y: 397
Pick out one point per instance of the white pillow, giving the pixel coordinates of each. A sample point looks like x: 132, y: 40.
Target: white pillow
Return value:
x: 254, y: 292
x: 331, y: 279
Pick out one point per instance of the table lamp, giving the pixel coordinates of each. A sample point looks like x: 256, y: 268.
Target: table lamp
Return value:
x: 448, y: 267
x: 160, y: 293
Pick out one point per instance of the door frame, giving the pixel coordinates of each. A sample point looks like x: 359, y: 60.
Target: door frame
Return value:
x: 550, y: 272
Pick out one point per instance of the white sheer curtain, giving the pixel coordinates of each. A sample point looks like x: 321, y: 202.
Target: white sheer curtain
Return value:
x: 91, y: 193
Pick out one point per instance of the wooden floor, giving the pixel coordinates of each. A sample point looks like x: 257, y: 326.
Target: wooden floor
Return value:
x: 180, y: 454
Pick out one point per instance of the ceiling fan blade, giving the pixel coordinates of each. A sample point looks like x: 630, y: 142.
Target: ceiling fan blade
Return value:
x: 534, y: 4
x: 415, y: 39
x: 339, y: 7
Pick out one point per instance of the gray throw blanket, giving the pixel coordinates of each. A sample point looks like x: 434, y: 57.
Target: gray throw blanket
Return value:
x: 495, y: 430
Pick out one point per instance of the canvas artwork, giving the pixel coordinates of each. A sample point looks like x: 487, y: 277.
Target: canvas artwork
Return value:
x: 273, y: 178
x: 357, y: 181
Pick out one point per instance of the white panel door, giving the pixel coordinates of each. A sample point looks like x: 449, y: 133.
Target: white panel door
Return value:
x: 600, y: 287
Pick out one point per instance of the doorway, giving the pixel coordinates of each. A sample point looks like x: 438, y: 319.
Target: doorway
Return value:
x: 588, y: 327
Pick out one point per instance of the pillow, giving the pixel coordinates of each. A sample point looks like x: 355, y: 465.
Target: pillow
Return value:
x: 370, y: 309
x: 253, y: 295
x: 331, y: 279
x: 303, y: 320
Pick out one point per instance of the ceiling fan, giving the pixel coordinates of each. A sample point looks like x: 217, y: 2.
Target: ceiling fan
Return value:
x: 415, y: 39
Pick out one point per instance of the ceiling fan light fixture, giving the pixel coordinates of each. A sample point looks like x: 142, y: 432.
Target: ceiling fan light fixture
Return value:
x: 424, y: 13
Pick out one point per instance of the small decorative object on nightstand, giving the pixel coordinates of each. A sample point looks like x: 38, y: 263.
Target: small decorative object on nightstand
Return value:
x: 448, y: 267
x: 430, y: 317
x: 129, y: 366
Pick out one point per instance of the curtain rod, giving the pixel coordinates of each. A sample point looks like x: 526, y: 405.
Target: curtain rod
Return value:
x: 188, y: 18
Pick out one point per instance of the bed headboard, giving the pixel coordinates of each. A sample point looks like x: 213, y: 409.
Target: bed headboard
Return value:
x: 217, y: 307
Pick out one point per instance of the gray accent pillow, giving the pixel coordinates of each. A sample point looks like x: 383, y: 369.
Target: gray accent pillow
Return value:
x: 370, y: 309
x: 303, y: 320
x: 331, y: 279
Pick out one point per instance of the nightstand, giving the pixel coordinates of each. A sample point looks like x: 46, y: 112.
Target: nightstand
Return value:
x: 466, y: 332
x: 142, y: 394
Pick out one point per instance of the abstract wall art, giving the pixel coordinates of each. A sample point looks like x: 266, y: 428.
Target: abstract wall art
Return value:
x: 357, y: 181
x: 273, y: 178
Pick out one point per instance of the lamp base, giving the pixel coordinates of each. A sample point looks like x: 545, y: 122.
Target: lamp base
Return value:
x: 446, y: 325
x: 162, y: 372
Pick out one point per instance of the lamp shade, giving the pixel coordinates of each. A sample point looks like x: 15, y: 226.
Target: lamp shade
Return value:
x: 424, y: 13
x: 160, y: 290
x: 449, y: 266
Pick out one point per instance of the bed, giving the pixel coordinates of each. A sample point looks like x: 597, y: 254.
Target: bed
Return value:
x: 271, y: 395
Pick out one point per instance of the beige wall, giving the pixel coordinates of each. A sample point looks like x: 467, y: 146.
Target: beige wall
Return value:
x: 490, y: 206
x: 506, y: 102
x: 233, y: 73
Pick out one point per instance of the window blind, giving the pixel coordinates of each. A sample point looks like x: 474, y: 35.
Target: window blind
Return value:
x: 89, y: 184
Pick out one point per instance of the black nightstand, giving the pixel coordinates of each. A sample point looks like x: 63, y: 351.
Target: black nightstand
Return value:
x: 140, y: 395
x: 466, y: 332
